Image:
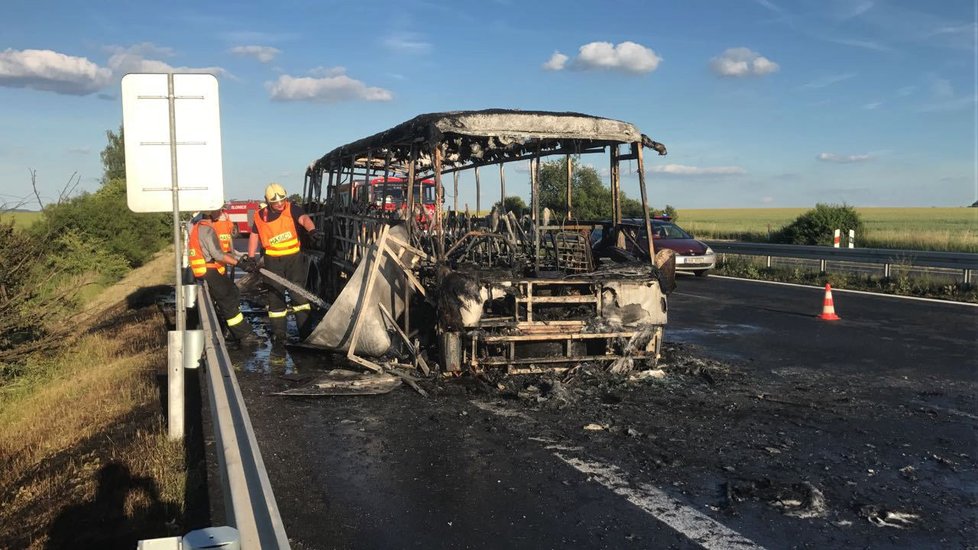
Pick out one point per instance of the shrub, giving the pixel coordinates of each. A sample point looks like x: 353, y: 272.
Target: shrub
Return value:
x: 30, y: 296
x: 104, y: 217
x: 817, y: 226
x: 515, y: 205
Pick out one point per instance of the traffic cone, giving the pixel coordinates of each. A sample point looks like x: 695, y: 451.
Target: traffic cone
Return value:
x: 828, y: 307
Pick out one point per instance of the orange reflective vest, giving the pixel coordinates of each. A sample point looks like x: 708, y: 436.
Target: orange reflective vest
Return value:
x: 224, y: 227
x: 196, y: 254
x: 278, y: 237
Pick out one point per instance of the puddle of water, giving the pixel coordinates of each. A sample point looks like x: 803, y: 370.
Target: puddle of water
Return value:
x: 274, y: 358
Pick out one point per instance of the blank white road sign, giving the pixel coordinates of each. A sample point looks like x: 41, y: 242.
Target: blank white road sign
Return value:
x: 146, y: 128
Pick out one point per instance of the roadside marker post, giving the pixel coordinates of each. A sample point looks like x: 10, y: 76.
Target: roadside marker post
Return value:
x: 166, y: 116
x: 852, y: 238
x: 836, y: 237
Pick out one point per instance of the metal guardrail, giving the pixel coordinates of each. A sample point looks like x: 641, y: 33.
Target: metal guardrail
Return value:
x: 964, y: 261
x: 248, y: 498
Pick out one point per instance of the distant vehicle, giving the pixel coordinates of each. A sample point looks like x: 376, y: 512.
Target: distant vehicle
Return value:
x: 390, y: 196
x: 241, y: 213
x: 692, y: 256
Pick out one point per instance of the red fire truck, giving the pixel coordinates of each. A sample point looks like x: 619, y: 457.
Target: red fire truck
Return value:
x: 241, y: 213
x: 390, y: 196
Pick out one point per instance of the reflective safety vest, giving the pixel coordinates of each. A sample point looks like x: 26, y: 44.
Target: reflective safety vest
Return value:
x: 224, y: 227
x: 196, y: 254
x: 278, y: 237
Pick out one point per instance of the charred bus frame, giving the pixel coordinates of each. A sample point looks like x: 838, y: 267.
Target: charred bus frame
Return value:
x: 541, y: 301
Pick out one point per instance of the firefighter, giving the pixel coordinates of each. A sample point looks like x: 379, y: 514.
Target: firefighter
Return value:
x: 207, y: 261
x: 225, y: 230
x: 276, y: 227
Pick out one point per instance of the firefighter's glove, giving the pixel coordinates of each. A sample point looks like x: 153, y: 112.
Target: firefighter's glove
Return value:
x: 316, y: 238
x: 248, y: 264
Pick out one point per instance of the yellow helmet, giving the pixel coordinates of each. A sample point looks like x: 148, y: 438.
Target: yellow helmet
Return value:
x: 274, y: 193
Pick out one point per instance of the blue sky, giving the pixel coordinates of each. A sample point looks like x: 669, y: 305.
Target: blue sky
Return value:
x: 760, y: 102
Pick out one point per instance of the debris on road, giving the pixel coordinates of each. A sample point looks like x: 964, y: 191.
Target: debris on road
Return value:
x: 346, y: 382
x: 881, y: 517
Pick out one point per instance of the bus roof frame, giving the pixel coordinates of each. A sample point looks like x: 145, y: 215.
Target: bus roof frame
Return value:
x: 475, y: 138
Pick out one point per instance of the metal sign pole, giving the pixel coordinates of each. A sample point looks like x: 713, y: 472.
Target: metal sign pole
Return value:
x: 175, y: 389
x: 149, y: 128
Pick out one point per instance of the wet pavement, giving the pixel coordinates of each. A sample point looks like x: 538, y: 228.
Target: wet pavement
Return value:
x: 766, y: 427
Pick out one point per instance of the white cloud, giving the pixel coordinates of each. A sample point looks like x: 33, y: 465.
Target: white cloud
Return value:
x: 738, y: 62
x: 324, y: 72
x: 264, y: 54
x: 407, y: 42
x: 843, y: 159
x: 684, y: 170
x: 334, y: 87
x: 627, y: 57
x: 872, y: 105
x: 556, y: 62
x: 51, y: 71
x: 133, y: 60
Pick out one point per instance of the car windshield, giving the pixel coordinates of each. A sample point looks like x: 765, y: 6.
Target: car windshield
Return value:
x: 661, y: 230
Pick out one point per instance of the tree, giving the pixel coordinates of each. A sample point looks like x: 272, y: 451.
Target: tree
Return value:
x: 514, y: 205
x: 591, y: 198
x: 114, y: 157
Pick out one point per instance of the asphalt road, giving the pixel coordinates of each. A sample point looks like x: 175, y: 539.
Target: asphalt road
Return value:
x: 868, y: 422
x: 771, y: 324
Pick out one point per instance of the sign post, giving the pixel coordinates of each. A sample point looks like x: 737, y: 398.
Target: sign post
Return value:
x: 186, y: 126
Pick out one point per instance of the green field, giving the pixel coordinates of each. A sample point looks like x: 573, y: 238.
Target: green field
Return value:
x: 948, y: 229
x: 21, y: 219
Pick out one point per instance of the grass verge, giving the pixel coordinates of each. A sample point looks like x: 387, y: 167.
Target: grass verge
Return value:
x: 902, y: 285
x: 84, y: 457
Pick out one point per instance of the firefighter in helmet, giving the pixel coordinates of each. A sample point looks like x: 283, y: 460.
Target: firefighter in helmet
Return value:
x: 276, y: 228
x: 208, y: 259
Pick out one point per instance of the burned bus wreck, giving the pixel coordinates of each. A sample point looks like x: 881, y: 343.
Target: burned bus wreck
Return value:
x: 471, y: 290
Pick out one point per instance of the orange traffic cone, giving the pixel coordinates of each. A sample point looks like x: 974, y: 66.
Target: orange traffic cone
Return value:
x: 828, y: 307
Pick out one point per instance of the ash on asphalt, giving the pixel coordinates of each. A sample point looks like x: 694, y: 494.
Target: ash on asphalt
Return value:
x: 790, y: 454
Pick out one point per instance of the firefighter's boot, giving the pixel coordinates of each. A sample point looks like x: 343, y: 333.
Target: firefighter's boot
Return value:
x: 302, y: 320
x: 278, y: 321
x: 242, y: 331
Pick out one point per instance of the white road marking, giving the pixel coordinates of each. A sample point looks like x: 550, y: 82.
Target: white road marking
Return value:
x: 845, y: 290
x: 691, y: 523
x: 955, y: 412
x: 698, y: 527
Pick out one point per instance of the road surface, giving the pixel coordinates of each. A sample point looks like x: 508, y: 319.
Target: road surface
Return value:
x: 770, y: 428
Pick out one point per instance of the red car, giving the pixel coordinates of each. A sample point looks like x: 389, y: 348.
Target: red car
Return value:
x: 692, y: 256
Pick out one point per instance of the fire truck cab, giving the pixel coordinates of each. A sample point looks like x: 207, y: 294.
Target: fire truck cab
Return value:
x: 241, y: 213
x: 389, y: 195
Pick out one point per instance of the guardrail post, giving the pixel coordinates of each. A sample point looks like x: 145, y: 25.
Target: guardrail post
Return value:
x: 174, y: 389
